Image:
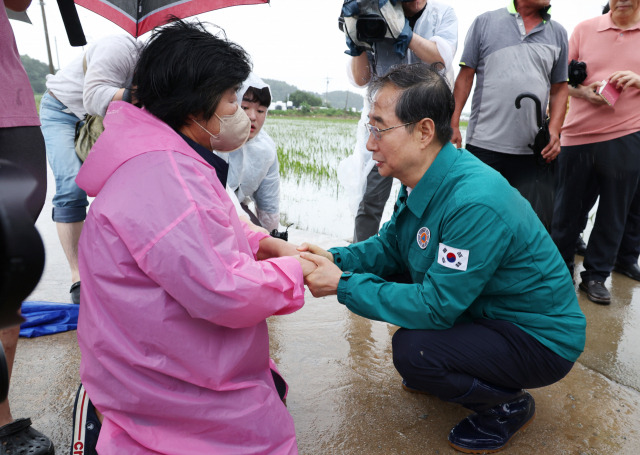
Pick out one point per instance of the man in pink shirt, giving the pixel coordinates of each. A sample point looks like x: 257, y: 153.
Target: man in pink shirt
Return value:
x: 601, y: 144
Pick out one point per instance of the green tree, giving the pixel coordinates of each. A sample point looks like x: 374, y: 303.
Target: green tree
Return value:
x: 37, y: 72
x: 300, y: 97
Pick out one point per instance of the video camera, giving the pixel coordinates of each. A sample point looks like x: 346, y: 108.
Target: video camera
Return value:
x: 21, y: 252
x: 366, y: 22
x: 281, y: 235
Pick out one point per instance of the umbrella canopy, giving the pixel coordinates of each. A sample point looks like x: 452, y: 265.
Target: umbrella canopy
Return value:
x: 138, y: 17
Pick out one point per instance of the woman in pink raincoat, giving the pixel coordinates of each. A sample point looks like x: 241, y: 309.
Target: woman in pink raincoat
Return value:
x: 175, y: 289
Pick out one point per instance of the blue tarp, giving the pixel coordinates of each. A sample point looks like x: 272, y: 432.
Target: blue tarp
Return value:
x: 47, y: 318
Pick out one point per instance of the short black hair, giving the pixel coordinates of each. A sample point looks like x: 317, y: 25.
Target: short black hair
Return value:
x: 258, y: 95
x: 184, y: 70
x: 425, y: 94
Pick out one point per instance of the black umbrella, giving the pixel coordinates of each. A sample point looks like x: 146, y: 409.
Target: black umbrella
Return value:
x: 542, y: 198
x: 542, y: 137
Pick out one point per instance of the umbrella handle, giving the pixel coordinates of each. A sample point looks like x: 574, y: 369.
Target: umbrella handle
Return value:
x: 536, y: 100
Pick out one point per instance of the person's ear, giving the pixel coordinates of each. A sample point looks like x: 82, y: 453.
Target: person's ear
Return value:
x: 427, y: 130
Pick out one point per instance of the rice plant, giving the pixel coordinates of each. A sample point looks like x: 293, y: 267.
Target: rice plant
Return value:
x: 309, y: 150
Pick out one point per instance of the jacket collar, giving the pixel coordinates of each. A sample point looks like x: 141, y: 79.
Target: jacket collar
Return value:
x: 421, y: 195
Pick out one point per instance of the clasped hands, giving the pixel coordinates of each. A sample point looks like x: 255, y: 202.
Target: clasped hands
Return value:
x: 321, y: 275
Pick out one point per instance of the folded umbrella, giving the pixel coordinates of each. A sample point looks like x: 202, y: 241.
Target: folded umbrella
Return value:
x: 542, y: 137
x: 543, y: 199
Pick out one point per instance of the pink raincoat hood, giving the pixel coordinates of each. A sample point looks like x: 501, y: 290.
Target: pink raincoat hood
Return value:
x: 118, y: 131
x: 172, y: 326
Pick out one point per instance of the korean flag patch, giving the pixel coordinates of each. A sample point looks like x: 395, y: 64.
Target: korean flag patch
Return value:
x: 453, y: 258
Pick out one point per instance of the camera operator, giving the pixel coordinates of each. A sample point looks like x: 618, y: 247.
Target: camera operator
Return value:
x: 432, y: 30
x: 21, y: 143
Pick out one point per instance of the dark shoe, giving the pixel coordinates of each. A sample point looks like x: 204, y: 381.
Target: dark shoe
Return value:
x: 412, y: 390
x: 596, y: 292
x: 86, y: 425
x: 490, y: 430
x: 630, y: 270
x: 581, y: 247
x: 75, y: 292
x: 18, y: 437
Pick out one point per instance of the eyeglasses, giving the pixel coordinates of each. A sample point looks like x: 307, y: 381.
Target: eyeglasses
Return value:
x: 377, y: 132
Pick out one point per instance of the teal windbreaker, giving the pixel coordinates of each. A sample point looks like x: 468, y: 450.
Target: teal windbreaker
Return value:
x: 474, y: 249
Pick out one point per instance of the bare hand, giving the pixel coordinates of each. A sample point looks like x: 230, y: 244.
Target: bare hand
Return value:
x: 324, y: 280
x: 456, y: 139
x: 552, y: 150
x: 588, y: 92
x: 271, y: 247
x: 625, y: 79
x: 315, y: 249
x: 307, y: 266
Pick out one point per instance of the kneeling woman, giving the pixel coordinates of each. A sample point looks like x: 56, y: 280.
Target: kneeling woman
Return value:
x: 176, y: 290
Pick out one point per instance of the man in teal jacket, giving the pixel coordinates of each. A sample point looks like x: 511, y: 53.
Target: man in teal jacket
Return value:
x: 487, y: 306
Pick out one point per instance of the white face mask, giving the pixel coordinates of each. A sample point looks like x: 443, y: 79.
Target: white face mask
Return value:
x: 234, y: 131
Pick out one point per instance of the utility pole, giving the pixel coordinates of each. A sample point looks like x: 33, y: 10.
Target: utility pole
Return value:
x: 55, y: 41
x: 346, y: 102
x: 326, y: 93
x: 46, y: 37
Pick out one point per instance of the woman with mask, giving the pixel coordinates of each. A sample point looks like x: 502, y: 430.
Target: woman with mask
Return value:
x: 176, y: 290
x: 254, y: 174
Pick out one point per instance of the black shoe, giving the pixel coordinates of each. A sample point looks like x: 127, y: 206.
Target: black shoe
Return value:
x: 75, y: 292
x: 20, y: 438
x: 581, y: 247
x: 596, y: 292
x: 630, y: 270
x: 86, y: 425
x: 490, y: 430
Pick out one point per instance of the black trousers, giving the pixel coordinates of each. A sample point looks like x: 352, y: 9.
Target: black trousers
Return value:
x: 613, y: 168
x: 629, y: 249
x: 445, y: 362
x: 536, y: 183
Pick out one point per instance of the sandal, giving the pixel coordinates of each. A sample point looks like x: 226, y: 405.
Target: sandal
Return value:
x: 19, y: 438
x: 86, y: 425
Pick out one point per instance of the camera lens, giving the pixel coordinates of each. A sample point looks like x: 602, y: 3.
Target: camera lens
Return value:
x: 371, y: 28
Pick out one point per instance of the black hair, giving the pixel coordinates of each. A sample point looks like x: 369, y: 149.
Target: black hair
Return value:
x: 425, y: 94
x: 184, y: 70
x: 606, y: 8
x: 258, y: 95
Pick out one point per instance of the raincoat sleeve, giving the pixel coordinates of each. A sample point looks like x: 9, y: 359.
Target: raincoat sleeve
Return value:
x: 446, y: 37
x: 267, y: 198
x: 203, y: 261
x: 445, y: 293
